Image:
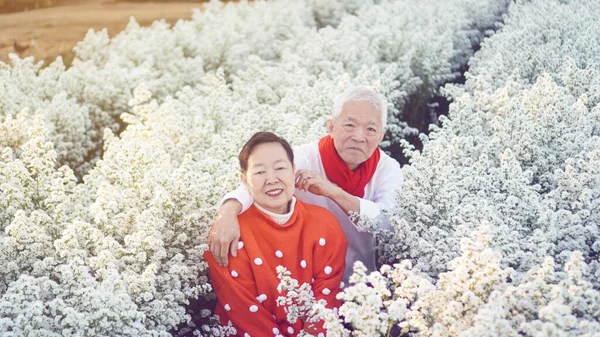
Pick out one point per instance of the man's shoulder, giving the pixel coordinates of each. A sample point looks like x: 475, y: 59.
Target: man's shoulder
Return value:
x: 388, y: 163
x: 306, y: 148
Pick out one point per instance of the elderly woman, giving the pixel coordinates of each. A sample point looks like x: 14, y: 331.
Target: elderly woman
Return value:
x: 277, y: 230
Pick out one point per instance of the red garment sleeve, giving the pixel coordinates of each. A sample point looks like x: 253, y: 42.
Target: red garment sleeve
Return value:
x: 329, y: 265
x: 236, y: 294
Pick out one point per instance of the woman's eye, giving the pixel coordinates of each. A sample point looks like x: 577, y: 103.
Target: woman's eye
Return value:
x: 259, y: 172
x: 280, y: 168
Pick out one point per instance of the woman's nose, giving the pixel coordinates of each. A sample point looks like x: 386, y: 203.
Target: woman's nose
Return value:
x: 271, y: 177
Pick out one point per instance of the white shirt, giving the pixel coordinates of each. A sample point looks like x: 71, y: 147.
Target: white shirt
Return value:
x: 380, y: 193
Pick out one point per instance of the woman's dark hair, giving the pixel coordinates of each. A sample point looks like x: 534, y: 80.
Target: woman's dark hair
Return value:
x: 262, y: 138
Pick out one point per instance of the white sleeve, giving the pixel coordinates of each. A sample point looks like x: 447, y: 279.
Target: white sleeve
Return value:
x: 240, y: 194
x: 302, y: 158
x: 387, y: 186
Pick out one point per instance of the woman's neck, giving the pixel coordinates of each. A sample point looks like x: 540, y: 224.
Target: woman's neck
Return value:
x: 280, y: 219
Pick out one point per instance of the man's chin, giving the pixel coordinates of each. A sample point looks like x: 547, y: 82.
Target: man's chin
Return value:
x: 353, y: 161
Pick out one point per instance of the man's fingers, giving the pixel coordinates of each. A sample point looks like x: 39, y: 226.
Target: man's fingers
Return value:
x: 222, y: 254
x: 234, y: 247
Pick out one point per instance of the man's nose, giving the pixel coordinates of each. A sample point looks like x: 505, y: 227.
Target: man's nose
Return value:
x: 358, y: 134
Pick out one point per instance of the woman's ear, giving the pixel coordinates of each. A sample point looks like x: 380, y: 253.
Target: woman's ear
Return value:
x: 244, y: 179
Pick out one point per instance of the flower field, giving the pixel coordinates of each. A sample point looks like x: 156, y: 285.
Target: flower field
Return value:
x: 110, y: 169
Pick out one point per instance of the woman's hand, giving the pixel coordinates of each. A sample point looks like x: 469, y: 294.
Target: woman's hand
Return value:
x: 224, y: 234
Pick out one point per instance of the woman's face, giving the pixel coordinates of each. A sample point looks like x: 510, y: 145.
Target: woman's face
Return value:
x: 270, y: 177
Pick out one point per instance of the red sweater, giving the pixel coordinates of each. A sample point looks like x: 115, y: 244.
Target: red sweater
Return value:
x: 311, y: 245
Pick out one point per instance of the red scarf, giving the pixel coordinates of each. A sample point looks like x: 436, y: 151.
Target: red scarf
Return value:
x: 339, y: 173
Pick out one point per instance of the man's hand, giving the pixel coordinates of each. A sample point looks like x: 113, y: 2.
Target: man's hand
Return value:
x: 225, y: 232
x: 315, y: 183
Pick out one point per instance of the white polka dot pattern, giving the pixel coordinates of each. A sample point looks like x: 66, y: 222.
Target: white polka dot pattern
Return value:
x: 258, y: 261
x: 279, y: 254
x: 321, y: 334
x: 253, y: 308
x: 303, y: 264
x: 328, y: 270
x: 247, y: 335
x: 290, y: 330
x: 326, y: 291
x: 240, y: 245
x: 234, y: 273
x: 275, y: 331
x: 261, y: 298
x: 227, y: 307
x: 342, y: 285
x: 322, y: 242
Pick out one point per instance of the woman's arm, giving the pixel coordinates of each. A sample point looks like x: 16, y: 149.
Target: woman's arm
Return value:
x: 329, y: 264
x: 237, y: 295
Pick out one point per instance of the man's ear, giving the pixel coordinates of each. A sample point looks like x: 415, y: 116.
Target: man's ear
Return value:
x: 329, y: 126
x: 381, y: 136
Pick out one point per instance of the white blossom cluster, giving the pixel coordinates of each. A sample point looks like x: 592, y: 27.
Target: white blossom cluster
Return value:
x: 297, y: 300
x: 27, y: 92
x: 475, y: 297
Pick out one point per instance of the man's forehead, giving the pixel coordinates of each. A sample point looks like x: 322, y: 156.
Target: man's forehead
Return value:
x: 354, y: 119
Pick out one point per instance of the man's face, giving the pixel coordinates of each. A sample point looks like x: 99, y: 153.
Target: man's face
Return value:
x: 356, y: 132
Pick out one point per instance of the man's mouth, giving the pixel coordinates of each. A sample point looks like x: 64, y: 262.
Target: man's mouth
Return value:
x: 356, y: 149
x: 275, y: 192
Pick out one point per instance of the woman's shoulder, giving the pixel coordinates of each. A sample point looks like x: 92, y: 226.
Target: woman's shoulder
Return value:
x: 314, y: 212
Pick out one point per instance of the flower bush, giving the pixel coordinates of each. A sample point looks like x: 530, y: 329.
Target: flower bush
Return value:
x: 519, y: 153
x: 277, y: 37
x: 110, y: 170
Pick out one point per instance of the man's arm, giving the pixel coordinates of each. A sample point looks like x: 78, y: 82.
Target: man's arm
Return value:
x: 388, y: 181
x: 224, y: 234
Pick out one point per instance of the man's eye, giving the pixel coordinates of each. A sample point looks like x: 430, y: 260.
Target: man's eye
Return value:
x: 280, y: 168
x: 372, y: 130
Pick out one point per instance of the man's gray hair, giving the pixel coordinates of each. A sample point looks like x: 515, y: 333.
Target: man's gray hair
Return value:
x: 358, y: 94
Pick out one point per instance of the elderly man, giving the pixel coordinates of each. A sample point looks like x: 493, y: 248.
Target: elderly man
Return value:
x: 344, y: 172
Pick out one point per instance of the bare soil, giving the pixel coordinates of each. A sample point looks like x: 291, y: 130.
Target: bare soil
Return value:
x: 46, y: 33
